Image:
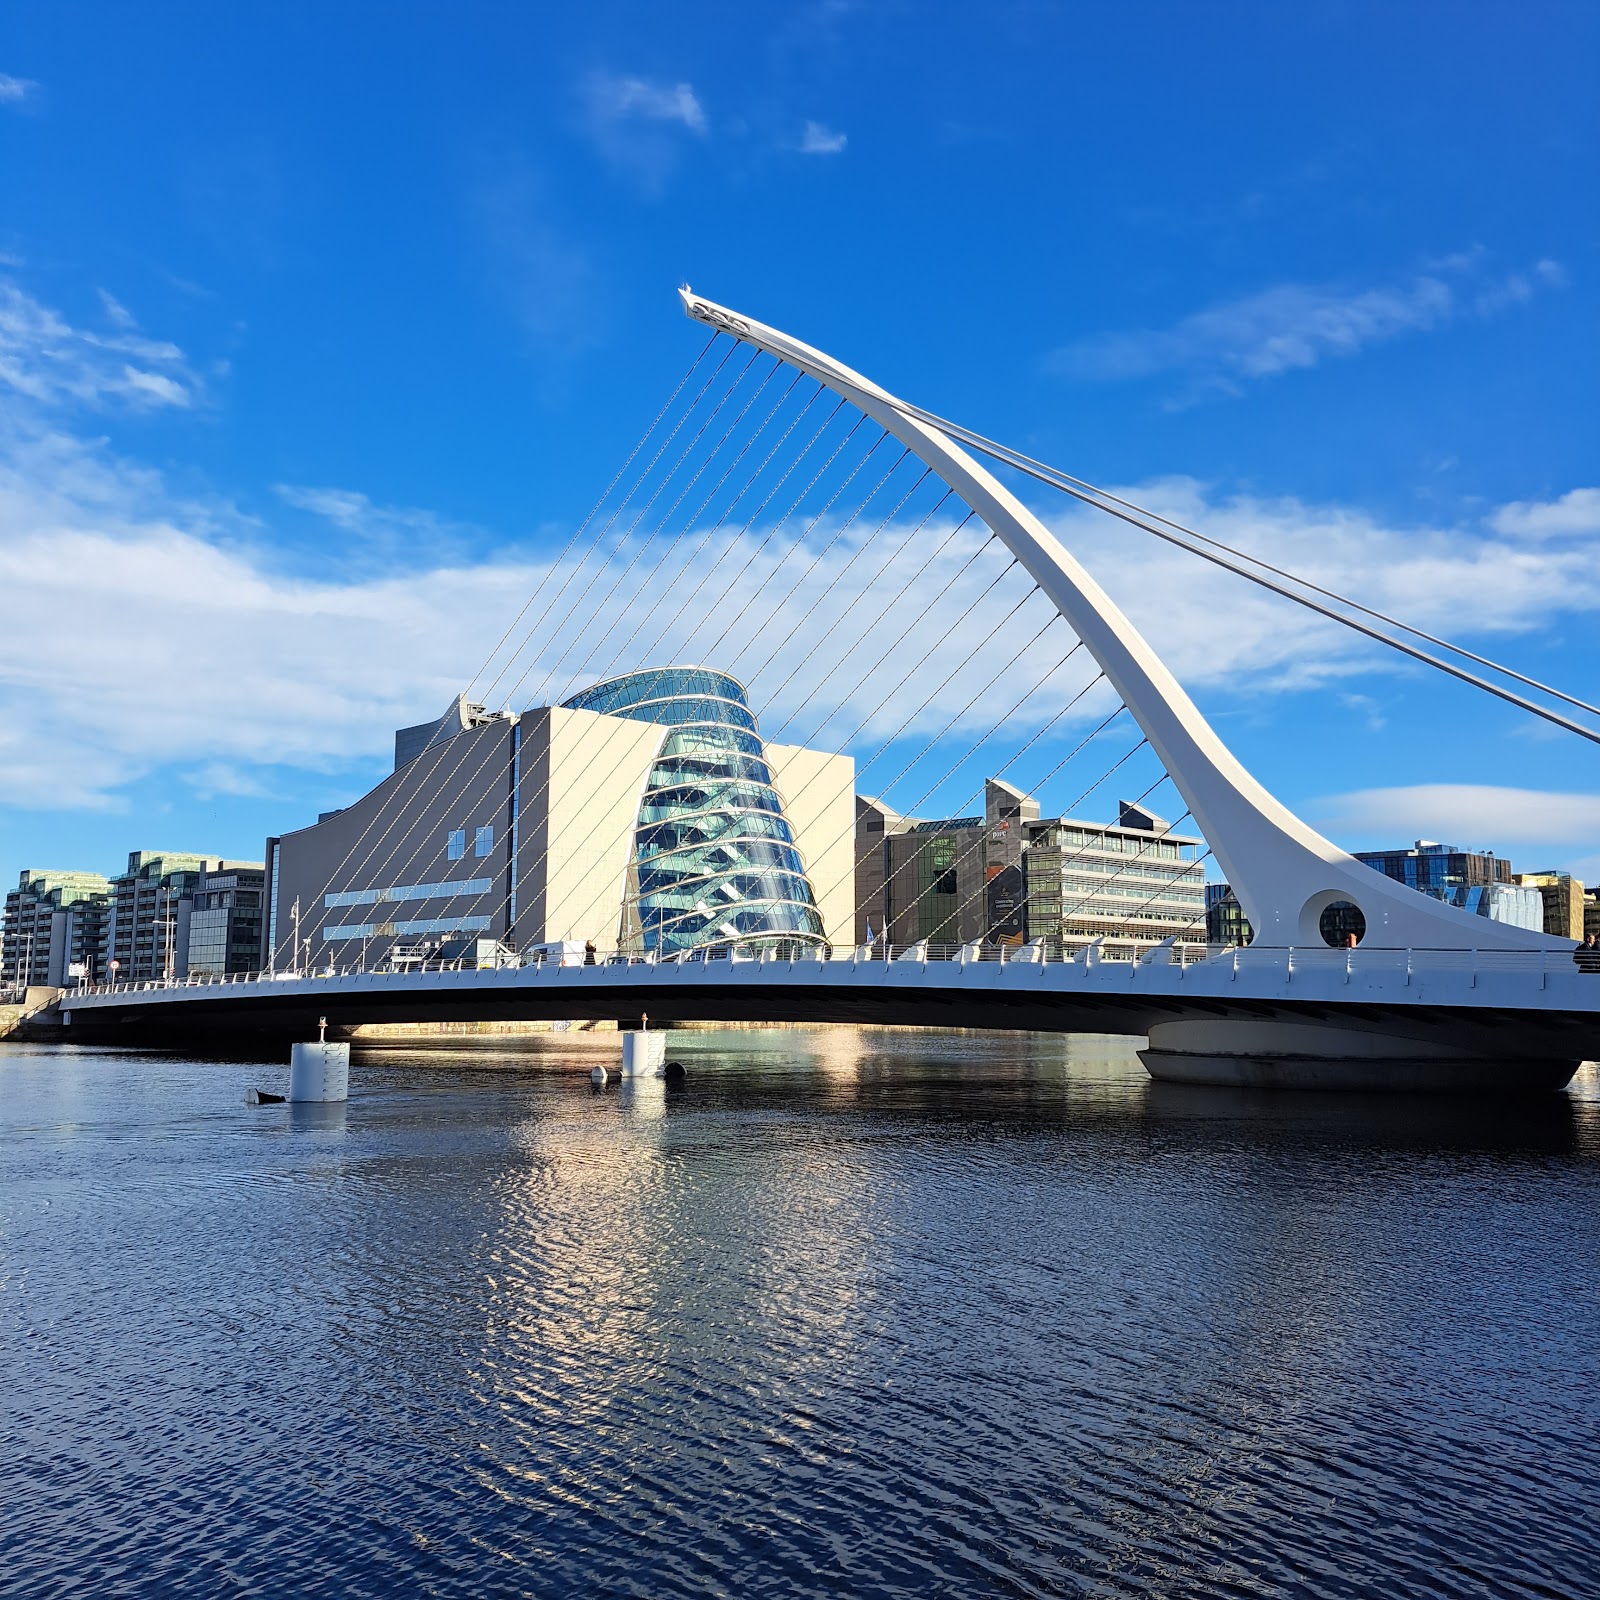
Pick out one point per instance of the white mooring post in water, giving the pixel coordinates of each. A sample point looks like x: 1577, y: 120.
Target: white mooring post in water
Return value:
x: 320, y: 1071
x: 643, y: 1052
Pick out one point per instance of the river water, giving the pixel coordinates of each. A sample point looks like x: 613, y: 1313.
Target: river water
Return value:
x: 848, y: 1314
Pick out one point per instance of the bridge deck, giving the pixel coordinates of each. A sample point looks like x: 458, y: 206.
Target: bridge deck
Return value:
x: 1524, y: 1003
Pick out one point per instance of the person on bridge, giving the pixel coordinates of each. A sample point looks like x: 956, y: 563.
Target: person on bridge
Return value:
x: 1587, y: 955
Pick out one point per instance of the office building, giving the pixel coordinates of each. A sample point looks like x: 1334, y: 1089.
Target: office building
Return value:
x: 1438, y: 869
x: 1008, y: 877
x: 54, y: 926
x: 644, y: 814
x: 149, y: 922
x: 1476, y: 881
x: 1563, y: 901
x: 1226, y: 922
x: 226, y: 923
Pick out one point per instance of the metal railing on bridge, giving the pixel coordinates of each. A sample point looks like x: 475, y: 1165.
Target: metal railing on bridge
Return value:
x: 1255, y: 960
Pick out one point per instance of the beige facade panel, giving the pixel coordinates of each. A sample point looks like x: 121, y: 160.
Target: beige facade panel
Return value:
x: 818, y: 792
x: 582, y: 778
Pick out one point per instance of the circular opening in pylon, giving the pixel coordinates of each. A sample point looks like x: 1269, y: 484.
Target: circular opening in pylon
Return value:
x: 1342, y: 924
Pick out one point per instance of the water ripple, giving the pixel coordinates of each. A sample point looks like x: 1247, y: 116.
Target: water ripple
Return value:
x: 853, y: 1313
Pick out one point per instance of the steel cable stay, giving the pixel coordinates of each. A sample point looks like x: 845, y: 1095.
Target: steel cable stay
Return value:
x: 576, y: 616
x: 866, y: 588
x: 616, y: 479
x: 461, y: 754
x: 711, y: 531
x: 838, y: 577
x: 615, y: 733
x: 277, y: 945
x: 553, y: 841
x: 978, y: 793
x: 599, y: 611
x: 1137, y: 856
x: 838, y: 534
x: 912, y: 624
x: 1139, y: 910
x: 833, y: 583
x: 1066, y: 815
x: 533, y: 800
x: 611, y: 521
x: 893, y: 602
x: 382, y: 866
x: 978, y: 744
x: 621, y: 838
x: 1230, y: 559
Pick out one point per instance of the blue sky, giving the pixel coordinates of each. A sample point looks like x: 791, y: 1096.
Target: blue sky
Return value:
x: 322, y: 327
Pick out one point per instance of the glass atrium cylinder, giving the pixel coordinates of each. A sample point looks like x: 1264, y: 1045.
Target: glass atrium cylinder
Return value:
x: 714, y: 862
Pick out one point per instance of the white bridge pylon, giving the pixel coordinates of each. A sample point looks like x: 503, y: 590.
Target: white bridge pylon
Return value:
x: 1284, y: 873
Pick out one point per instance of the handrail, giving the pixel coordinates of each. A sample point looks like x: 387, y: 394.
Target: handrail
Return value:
x: 1373, y: 961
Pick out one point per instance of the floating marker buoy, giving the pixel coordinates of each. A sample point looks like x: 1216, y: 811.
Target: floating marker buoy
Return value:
x: 260, y: 1097
x: 599, y: 1077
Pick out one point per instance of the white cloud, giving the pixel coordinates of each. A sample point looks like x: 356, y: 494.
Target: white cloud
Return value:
x: 1576, y: 512
x: 116, y: 312
x: 43, y: 358
x: 1214, y: 630
x: 617, y: 98
x: 1473, y: 815
x: 639, y: 125
x: 1295, y: 325
x: 820, y: 140
x: 14, y: 91
x: 146, y: 630
x: 399, y: 536
x: 143, y: 630
x: 269, y: 668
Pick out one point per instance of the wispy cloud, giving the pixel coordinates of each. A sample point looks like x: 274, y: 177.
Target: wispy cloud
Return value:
x: 401, y: 537
x: 639, y: 124
x: 820, y: 140
x: 1468, y: 814
x: 1295, y: 326
x: 16, y: 91
x: 116, y: 313
x: 618, y: 98
x: 46, y: 360
x: 1576, y: 513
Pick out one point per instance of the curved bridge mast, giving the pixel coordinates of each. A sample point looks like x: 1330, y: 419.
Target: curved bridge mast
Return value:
x: 1284, y: 873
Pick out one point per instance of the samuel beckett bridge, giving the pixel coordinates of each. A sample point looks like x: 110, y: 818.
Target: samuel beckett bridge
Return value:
x: 838, y: 811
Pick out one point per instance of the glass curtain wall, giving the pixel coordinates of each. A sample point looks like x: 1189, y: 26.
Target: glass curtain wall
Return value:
x: 714, y: 860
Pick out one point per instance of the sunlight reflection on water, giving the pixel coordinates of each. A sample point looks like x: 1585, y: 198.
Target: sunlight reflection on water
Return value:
x: 848, y: 1312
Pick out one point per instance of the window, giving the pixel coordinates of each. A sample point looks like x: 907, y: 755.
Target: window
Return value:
x: 483, y: 840
x: 455, y: 843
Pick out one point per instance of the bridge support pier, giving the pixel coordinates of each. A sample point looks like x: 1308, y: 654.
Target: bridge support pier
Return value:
x: 319, y: 1072
x: 643, y: 1054
x: 1249, y: 1053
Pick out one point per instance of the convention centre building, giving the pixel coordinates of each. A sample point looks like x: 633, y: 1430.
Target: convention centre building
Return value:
x: 643, y: 814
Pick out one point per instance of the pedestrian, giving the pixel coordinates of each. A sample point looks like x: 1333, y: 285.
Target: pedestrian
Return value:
x: 1587, y: 955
